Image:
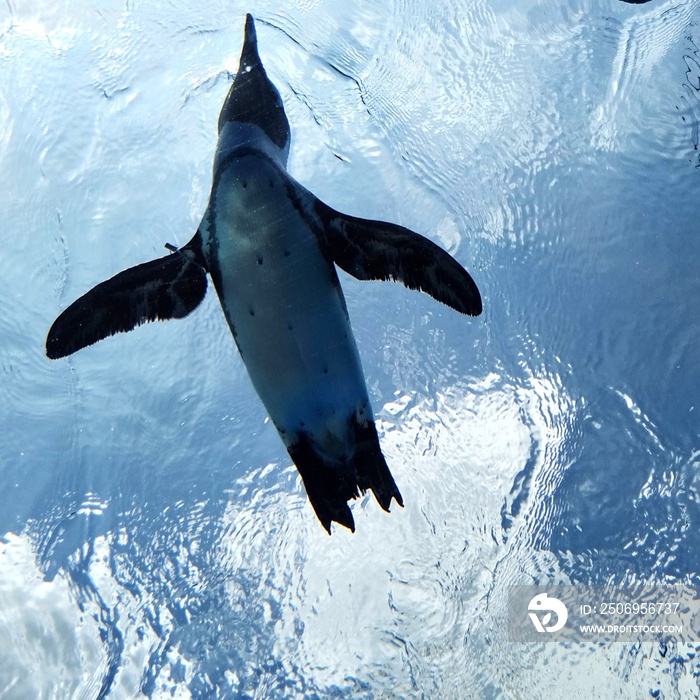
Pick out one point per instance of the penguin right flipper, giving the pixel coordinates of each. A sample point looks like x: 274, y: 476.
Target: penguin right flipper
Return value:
x: 170, y: 287
x: 377, y: 250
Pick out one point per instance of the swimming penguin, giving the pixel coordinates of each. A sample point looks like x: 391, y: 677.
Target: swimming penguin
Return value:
x: 271, y: 248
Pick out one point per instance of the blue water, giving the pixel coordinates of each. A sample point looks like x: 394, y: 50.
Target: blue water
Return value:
x: 155, y: 540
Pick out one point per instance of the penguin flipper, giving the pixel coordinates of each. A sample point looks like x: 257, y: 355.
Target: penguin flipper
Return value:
x: 170, y: 287
x: 376, y: 250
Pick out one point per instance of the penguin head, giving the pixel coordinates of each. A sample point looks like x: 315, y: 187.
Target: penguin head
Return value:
x: 253, y: 99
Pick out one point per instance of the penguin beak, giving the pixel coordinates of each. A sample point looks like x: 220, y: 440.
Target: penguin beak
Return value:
x: 249, y: 55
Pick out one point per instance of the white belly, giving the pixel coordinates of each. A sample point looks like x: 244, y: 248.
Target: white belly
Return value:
x: 283, y: 303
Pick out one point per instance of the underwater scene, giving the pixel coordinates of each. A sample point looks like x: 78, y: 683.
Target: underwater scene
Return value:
x: 328, y: 327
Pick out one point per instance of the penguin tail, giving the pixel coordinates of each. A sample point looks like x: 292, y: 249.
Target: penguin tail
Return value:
x: 330, y: 484
x: 371, y: 467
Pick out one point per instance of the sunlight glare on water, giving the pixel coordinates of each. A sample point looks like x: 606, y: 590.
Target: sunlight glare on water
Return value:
x: 155, y: 539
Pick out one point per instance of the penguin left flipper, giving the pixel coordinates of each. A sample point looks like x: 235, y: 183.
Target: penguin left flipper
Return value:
x: 170, y: 287
x: 376, y: 250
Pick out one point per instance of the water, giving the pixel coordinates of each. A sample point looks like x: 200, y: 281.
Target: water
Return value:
x: 156, y: 540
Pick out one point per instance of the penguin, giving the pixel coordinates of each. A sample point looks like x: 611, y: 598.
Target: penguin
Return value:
x: 271, y: 249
